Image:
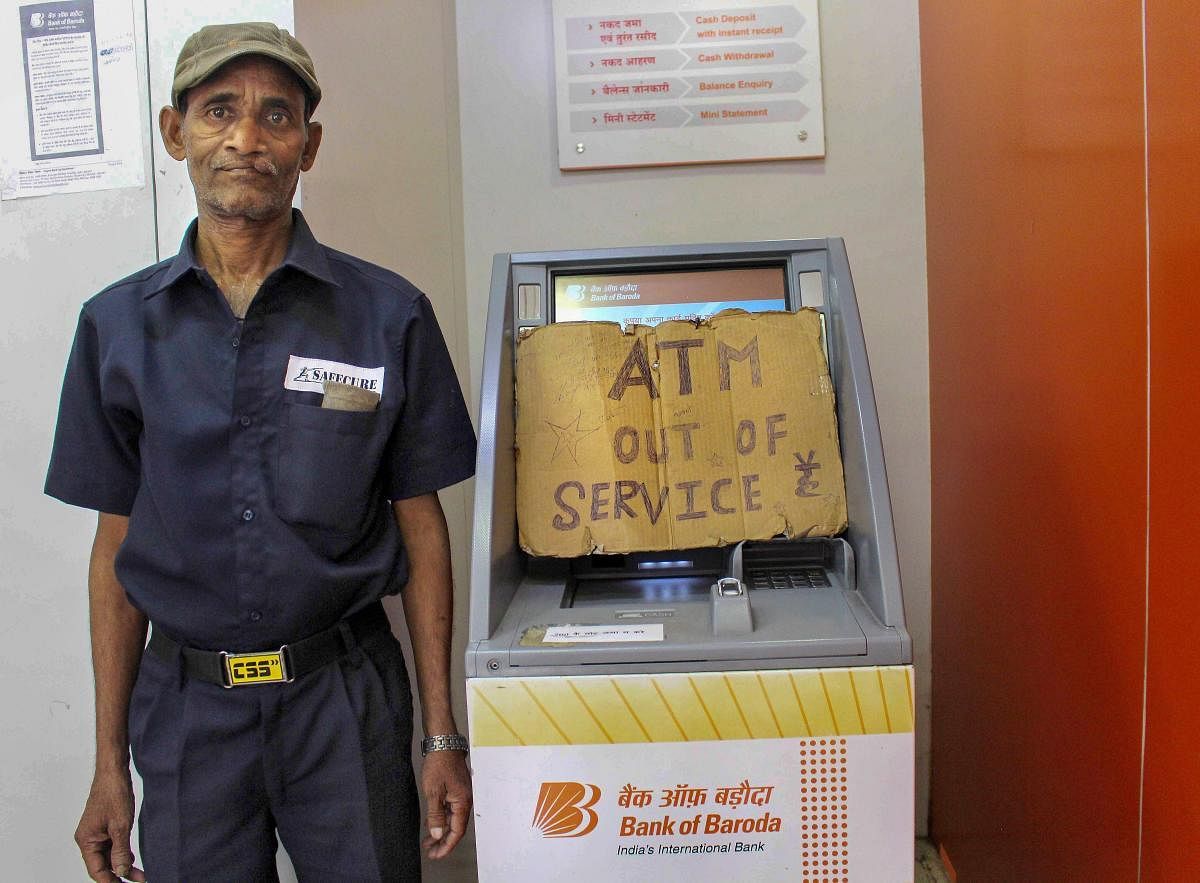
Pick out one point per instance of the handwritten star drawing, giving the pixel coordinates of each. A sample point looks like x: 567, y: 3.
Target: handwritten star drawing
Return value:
x: 569, y: 437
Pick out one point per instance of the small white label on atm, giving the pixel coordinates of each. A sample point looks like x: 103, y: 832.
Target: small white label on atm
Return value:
x: 602, y: 634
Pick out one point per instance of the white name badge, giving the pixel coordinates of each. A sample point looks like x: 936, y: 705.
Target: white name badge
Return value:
x: 305, y: 374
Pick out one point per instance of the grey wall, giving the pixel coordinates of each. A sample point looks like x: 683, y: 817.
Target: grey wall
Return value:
x: 869, y: 190
x: 386, y: 187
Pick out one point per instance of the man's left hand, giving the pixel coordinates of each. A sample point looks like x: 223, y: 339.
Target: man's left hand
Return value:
x: 446, y: 783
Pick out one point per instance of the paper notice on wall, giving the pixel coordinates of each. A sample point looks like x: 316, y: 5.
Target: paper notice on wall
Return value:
x: 79, y: 122
x: 680, y: 436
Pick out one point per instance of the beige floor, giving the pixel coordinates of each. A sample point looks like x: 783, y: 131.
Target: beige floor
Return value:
x: 459, y: 867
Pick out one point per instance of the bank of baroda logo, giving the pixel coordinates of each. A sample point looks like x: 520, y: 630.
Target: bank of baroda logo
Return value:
x: 564, y: 809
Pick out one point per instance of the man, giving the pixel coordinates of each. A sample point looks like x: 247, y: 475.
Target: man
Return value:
x: 262, y: 424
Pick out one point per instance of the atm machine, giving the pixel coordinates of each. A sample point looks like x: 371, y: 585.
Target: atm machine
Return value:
x: 764, y: 729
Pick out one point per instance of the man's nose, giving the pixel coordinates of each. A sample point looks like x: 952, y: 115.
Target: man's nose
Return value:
x: 245, y: 135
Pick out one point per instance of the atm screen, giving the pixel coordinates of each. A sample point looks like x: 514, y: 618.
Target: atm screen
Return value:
x: 650, y: 298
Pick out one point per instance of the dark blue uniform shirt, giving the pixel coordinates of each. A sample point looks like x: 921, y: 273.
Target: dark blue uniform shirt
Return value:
x: 257, y: 517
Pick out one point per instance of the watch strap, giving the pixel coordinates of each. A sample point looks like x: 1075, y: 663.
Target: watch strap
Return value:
x: 444, y: 742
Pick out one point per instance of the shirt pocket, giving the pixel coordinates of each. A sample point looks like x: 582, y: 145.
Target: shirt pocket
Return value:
x: 327, y: 466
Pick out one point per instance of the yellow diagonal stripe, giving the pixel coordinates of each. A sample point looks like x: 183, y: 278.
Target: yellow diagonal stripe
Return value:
x: 722, y: 708
x: 843, y: 703
x: 633, y: 711
x: 706, y: 706
x: 813, y: 701
x: 788, y: 711
x: 487, y: 726
x: 559, y: 705
x: 769, y: 707
x: 609, y: 708
x: 896, y: 684
x: 871, y: 706
x: 512, y: 705
x: 679, y: 695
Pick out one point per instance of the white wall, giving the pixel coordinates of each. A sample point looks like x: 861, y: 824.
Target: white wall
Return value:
x: 55, y: 252
x: 869, y: 190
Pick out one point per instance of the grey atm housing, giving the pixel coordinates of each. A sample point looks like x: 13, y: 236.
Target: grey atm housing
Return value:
x: 805, y: 604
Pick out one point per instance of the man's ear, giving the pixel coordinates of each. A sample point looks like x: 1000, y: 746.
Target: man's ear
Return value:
x: 311, y: 146
x: 170, y: 126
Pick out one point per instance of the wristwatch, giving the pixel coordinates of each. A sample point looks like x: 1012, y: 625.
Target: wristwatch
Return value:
x: 447, y: 742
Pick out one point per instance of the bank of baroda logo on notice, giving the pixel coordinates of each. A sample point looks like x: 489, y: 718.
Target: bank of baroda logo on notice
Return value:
x: 564, y: 809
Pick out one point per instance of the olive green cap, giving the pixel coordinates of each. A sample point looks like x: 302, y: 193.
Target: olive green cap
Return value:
x: 215, y: 45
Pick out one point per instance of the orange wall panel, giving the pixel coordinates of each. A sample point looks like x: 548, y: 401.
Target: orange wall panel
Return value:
x: 1171, y: 847
x: 1035, y: 226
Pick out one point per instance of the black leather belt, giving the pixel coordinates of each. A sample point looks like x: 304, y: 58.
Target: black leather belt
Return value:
x: 281, y: 666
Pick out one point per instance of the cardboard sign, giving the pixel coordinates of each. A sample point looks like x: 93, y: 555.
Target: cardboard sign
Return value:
x: 675, y: 437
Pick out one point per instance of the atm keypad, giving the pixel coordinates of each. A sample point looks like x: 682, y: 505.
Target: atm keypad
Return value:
x: 806, y: 578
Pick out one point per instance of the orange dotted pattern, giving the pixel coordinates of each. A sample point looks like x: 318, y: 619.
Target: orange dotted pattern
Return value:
x: 825, y: 812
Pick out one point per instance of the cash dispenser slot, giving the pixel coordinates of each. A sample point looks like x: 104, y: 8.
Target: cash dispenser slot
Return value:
x: 679, y: 577
x: 643, y: 578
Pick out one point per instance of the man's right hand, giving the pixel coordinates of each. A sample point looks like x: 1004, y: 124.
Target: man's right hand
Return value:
x: 104, y: 829
x: 118, y: 636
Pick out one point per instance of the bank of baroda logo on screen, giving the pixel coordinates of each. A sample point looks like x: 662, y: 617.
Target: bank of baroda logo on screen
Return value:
x: 564, y: 809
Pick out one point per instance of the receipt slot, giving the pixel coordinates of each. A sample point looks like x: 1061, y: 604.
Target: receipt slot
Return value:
x: 692, y: 714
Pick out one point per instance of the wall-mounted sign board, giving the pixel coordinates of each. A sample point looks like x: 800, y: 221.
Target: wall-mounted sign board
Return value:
x: 644, y: 83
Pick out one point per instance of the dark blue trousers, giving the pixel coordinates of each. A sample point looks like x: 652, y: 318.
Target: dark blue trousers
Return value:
x: 324, y: 762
